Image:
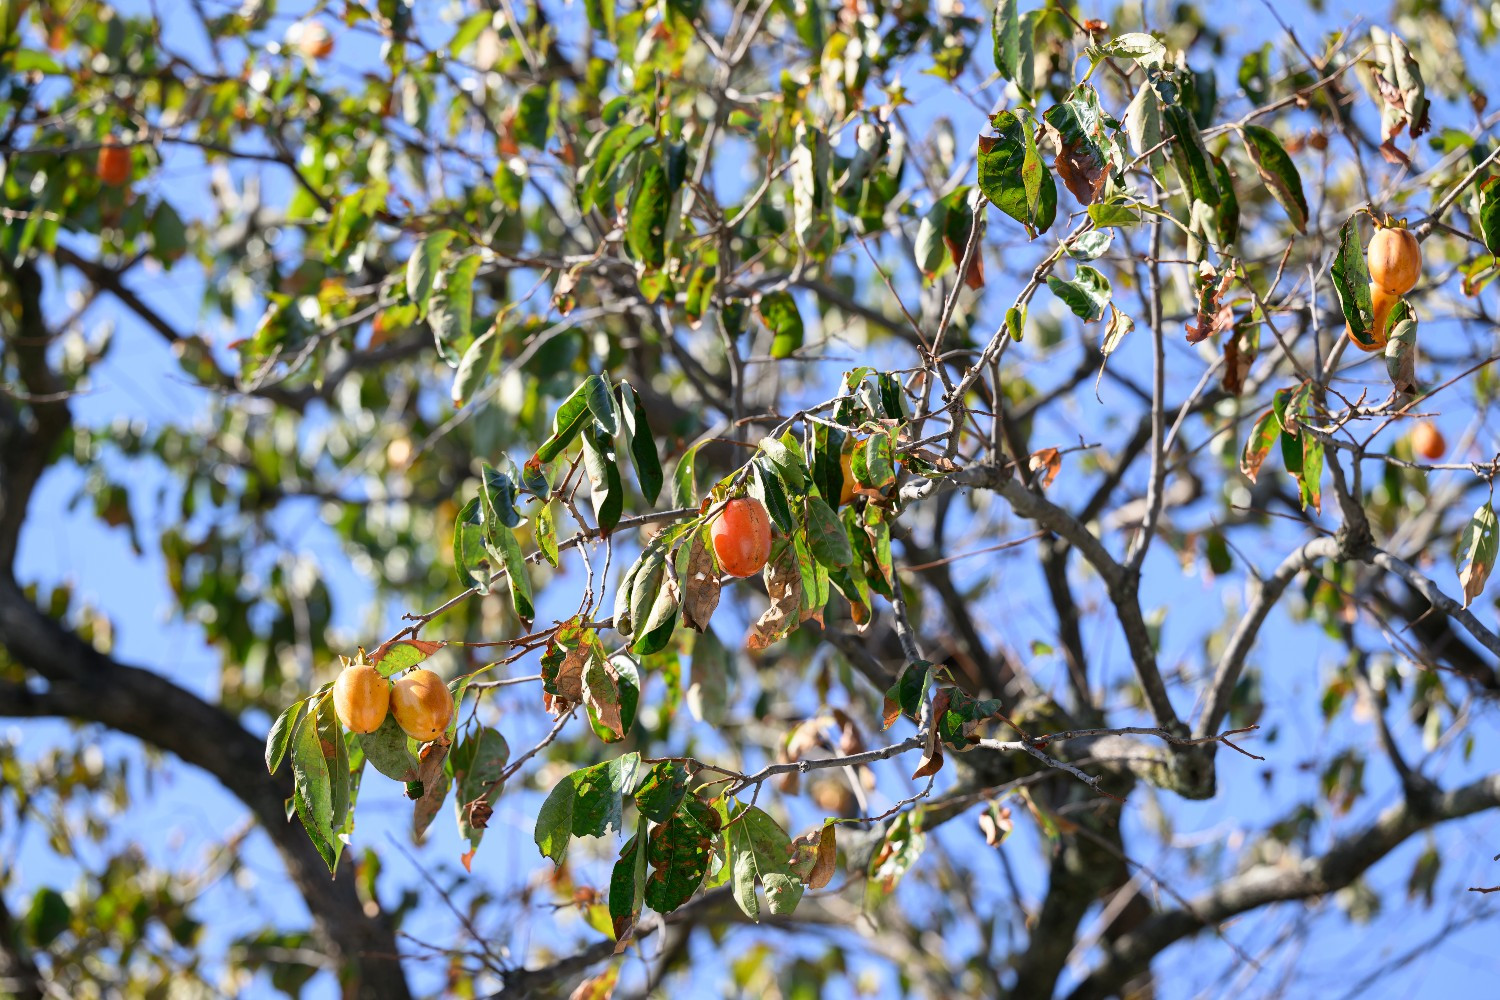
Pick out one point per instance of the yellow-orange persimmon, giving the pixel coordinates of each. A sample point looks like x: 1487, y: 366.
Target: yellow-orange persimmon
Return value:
x: 1395, y: 259
x: 741, y: 536
x: 361, y: 697
x: 114, y: 162
x: 422, y: 704
x: 1427, y: 441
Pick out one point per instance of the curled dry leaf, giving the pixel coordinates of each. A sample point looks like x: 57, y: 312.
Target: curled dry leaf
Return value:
x: 700, y: 587
x: 784, y: 585
x: 827, y: 859
x: 434, y: 783
x: 1214, y: 316
x: 995, y: 823
x: 1046, y: 463
x: 851, y: 741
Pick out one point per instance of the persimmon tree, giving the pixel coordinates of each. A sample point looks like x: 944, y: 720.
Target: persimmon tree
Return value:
x: 851, y: 475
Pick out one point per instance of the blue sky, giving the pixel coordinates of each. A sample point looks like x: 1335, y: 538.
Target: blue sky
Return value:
x: 185, y: 814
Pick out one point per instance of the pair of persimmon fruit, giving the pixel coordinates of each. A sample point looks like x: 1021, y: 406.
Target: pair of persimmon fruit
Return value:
x: 1394, y: 258
x: 741, y: 534
x: 420, y: 701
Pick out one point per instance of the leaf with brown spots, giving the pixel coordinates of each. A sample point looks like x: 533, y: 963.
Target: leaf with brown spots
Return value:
x: 700, y: 594
x: 784, y: 585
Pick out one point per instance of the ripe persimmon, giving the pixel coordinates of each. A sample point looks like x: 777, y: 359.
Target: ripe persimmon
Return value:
x: 741, y: 536
x: 1395, y: 259
x: 1382, y: 300
x: 114, y: 162
x: 315, y: 41
x: 1427, y: 441
x: 422, y: 704
x: 361, y: 697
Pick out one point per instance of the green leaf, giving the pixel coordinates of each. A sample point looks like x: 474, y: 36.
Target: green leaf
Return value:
x: 650, y: 204
x: 684, y: 482
x: 1087, y: 294
x: 605, y: 486
x: 679, y: 852
x: 760, y: 850
x: 569, y: 419
x: 642, y: 445
x: 392, y: 658
x: 545, y: 529
x: 1351, y: 282
x: 331, y: 741
x: 507, y: 548
x: 47, y: 917
x: 1227, y: 215
x: 1189, y: 155
x: 586, y: 803
x: 1090, y: 245
x: 477, y: 761
x: 450, y: 310
x: 825, y: 535
x: 1258, y: 445
x: 627, y: 883
x: 1003, y: 176
x: 1115, y: 213
x: 1013, y: 35
x: 312, y: 793
x: 786, y: 462
x: 387, y: 750
x: 1278, y: 171
x: 662, y: 790
x: 475, y: 366
x: 1137, y: 45
x: 533, y: 116
x: 280, y: 736
x: 1477, y: 548
x: 1489, y: 214
x: 906, y: 695
x: 471, y: 555
x: 422, y: 268
x: 767, y: 487
x: 778, y: 310
x: 497, y: 500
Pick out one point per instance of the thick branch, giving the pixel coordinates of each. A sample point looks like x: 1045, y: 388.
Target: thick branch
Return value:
x: 1346, y: 860
x: 84, y: 684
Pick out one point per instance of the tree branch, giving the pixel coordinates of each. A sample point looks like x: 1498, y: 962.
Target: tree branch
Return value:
x: 1343, y: 862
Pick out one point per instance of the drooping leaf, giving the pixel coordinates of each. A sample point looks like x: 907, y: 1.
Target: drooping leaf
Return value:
x: 1351, y: 282
x: 586, y: 803
x: 642, y: 445
x: 1087, y: 294
x: 904, y: 843
x: 1477, y: 549
x: 1002, y: 176
x: 759, y: 850
x: 679, y: 851
x: 423, y: 267
x: 280, y: 736
x: 1278, y: 171
x: 1258, y: 445
x: 778, y: 310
